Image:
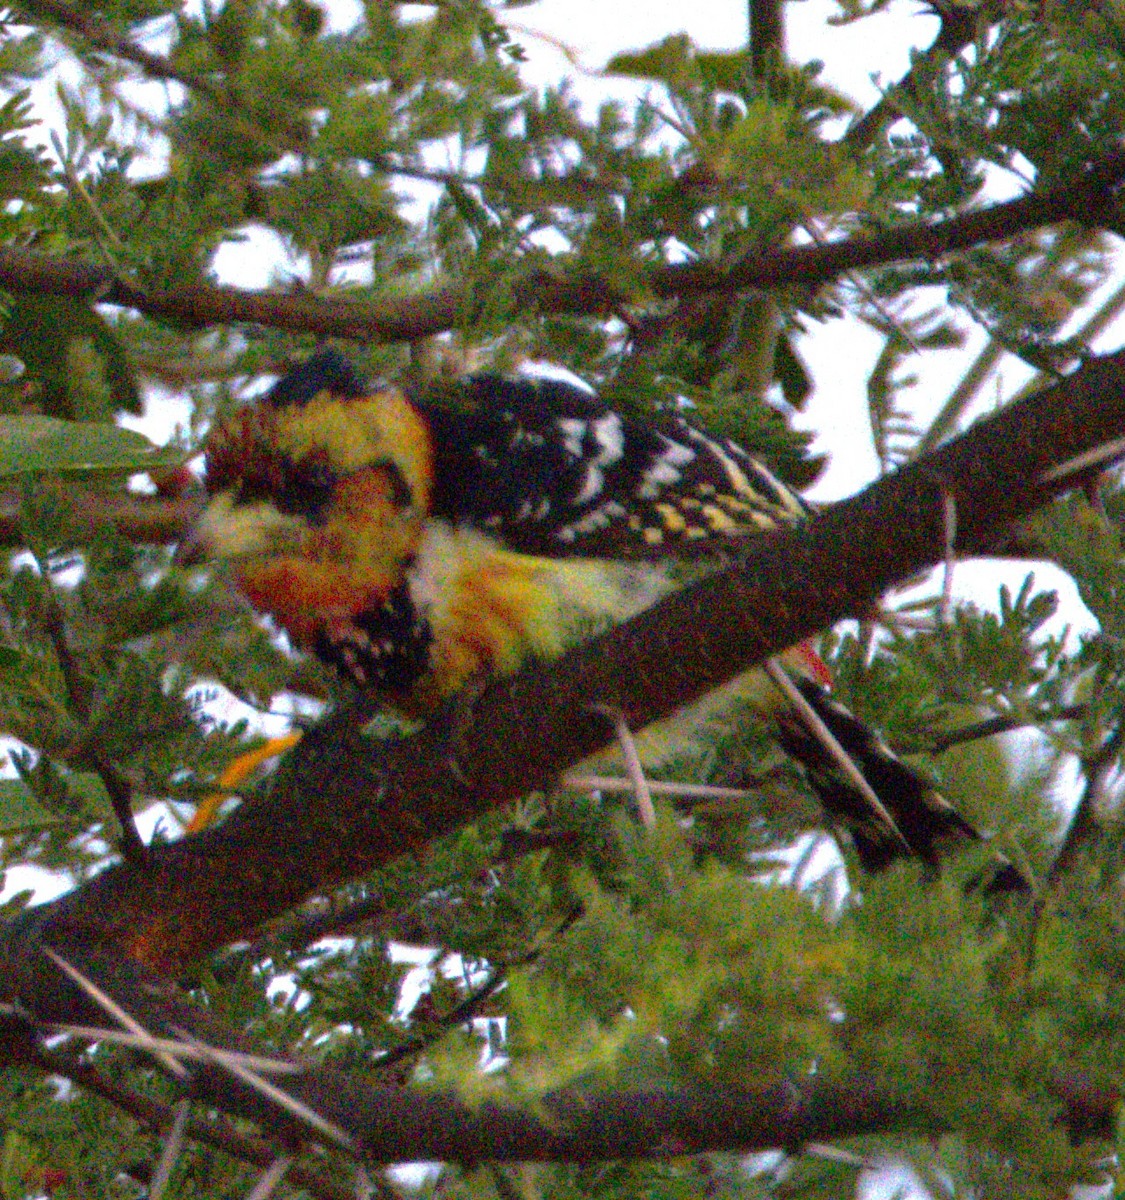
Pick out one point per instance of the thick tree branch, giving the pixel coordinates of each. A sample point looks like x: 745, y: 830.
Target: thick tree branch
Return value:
x: 573, y: 1124
x: 1089, y: 199
x: 343, y: 807
x: 150, y: 520
x: 394, y: 1124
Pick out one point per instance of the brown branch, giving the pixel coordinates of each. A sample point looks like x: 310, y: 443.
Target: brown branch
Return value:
x: 767, y: 36
x: 197, y: 305
x: 94, y: 30
x: 1080, y: 201
x: 150, y: 520
x: 410, y: 317
x: 394, y: 1124
x: 574, y: 1124
x: 157, y: 1116
x: 78, y: 693
x: 991, y: 726
x: 568, y: 1125
x: 340, y: 808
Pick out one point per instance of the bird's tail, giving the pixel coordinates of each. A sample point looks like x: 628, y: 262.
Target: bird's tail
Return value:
x: 925, y: 825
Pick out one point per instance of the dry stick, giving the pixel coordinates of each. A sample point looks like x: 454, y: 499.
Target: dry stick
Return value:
x: 271, y: 1177
x: 276, y: 1095
x: 632, y: 760
x: 827, y: 740
x: 113, y: 1008
x: 173, y: 1144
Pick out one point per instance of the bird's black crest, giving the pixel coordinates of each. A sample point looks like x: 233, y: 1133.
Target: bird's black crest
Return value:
x: 327, y: 371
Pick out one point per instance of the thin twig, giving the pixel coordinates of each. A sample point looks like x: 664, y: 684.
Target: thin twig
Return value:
x: 460, y: 1014
x: 949, y: 527
x: 991, y: 726
x: 468, y: 1008
x: 173, y: 1144
x: 79, y: 695
x: 109, y: 1005
x: 91, y: 28
x: 959, y: 25
x: 632, y: 762
x: 1083, y: 824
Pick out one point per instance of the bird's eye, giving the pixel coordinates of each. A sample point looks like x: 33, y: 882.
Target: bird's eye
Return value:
x: 307, y: 490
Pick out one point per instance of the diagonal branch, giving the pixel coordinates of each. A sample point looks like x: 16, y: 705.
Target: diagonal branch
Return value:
x: 343, y: 806
x: 93, y: 29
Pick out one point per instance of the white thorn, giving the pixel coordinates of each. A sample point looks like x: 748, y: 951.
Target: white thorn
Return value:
x: 1081, y: 462
x: 271, y: 1177
x: 172, y: 1147
x: 277, y: 1095
x: 688, y: 791
x: 154, y: 1045
x: 642, y: 793
x: 113, y: 1008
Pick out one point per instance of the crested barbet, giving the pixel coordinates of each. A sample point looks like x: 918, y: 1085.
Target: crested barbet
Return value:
x: 416, y: 547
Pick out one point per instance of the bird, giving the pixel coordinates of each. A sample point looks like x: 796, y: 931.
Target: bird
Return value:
x: 417, y: 546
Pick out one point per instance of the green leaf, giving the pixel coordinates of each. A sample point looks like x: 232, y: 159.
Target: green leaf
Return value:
x: 35, y: 444
x: 20, y: 811
x: 73, y: 356
x: 671, y: 61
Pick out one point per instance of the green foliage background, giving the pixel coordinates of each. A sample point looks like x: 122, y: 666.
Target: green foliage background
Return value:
x: 699, y: 954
